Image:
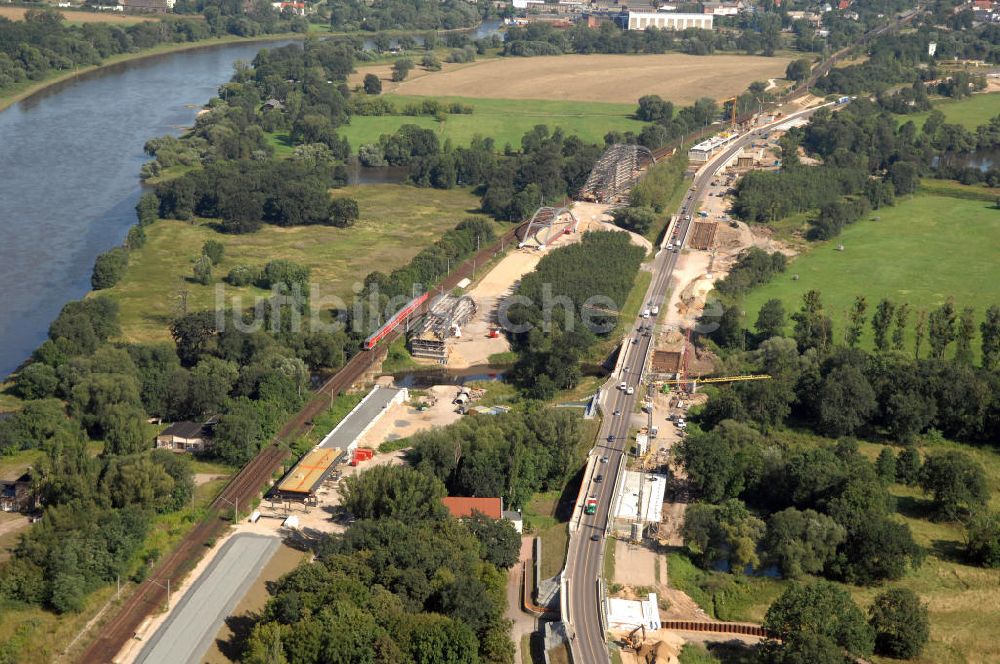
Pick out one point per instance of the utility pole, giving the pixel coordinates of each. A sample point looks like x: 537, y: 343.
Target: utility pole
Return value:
x: 235, y: 504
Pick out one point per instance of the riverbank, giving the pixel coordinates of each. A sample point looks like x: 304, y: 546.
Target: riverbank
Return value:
x: 30, y: 89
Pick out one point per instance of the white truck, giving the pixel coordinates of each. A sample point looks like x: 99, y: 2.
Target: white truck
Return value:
x: 655, y: 311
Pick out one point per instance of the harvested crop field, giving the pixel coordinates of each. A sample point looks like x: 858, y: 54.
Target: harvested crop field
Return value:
x: 608, y: 78
x: 17, y: 14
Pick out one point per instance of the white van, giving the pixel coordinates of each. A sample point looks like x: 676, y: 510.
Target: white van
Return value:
x: 645, y: 313
x: 655, y: 311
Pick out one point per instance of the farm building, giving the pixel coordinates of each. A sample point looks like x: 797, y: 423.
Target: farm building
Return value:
x: 186, y: 436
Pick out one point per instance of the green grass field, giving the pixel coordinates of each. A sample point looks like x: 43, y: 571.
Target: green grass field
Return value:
x: 396, y: 222
x: 505, y: 120
x: 969, y: 112
x: 922, y: 251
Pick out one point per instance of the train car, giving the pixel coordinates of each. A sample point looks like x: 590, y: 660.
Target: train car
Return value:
x: 393, y: 322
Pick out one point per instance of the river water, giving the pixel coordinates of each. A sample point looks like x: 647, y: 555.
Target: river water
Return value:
x: 69, y: 164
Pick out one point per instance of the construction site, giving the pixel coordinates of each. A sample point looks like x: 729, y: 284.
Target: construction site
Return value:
x: 614, y: 174
x: 648, y: 510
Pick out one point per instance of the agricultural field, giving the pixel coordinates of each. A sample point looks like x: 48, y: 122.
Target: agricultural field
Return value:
x: 504, y: 120
x: 596, y: 78
x: 924, y: 250
x: 969, y: 112
x: 396, y: 222
x: 119, y: 18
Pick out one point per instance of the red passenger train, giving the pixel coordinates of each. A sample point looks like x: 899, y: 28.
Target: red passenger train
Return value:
x: 396, y: 319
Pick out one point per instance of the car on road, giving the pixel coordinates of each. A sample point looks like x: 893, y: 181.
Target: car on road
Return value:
x: 635, y: 340
x: 595, y: 538
x: 617, y: 413
x: 599, y: 479
x: 604, y: 459
x: 622, y: 386
x: 611, y: 439
x: 630, y: 390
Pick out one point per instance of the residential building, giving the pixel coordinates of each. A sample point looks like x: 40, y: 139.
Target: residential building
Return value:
x: 463, y: 508
x: 186, y: 436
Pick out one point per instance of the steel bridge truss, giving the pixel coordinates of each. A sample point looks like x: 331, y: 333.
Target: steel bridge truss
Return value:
x: 614, y: 173
x: 544, y: 219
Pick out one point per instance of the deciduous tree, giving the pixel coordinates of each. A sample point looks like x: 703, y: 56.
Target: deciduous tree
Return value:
x: 900, y: 622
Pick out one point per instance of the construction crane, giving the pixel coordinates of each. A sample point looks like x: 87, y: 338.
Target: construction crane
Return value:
x: 734, y: 101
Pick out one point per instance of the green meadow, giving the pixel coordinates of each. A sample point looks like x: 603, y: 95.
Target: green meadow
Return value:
x: 922, y: 251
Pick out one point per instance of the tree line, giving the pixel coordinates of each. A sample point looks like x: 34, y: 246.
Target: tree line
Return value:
x: 43, y: 42
x: 867, y: 161
x: 404, y: 15
x: 404, y: 584
x: 904, y: 58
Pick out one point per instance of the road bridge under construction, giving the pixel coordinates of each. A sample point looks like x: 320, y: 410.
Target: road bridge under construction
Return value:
x: 615, y: 172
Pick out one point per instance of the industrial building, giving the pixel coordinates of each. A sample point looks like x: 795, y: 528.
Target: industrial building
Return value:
x: 703, y: 151
x: 666, y: 21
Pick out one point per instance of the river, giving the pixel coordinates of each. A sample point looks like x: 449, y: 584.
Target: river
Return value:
x: 69, y: 165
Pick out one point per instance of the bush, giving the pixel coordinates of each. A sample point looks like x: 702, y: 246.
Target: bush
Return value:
x: 242, y: 275
x: 401, y: 69
x: 372, y: 84
x: 203, y: 270
x: 214, y: 250
x: 983, y: 539
x: 109, y: 268
x: 344, y: 212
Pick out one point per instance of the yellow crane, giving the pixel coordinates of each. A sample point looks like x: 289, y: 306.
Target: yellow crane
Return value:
x: 735, y: 100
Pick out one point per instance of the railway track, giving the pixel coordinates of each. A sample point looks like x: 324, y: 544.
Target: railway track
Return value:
x: 247, y: 484
x: 151, y: 595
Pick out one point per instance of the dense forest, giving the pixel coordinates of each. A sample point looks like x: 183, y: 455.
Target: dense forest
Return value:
x: 571, y: 299
x: 893, y: 393
x: 43, y: 43
x: 405, y: 584
x: 512, y: 455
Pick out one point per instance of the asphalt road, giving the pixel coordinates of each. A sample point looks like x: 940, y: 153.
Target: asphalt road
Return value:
x: 193, y: 623
x: 585, y: 556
